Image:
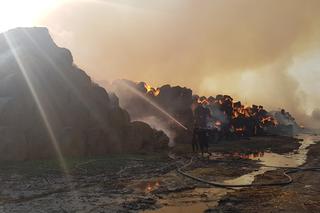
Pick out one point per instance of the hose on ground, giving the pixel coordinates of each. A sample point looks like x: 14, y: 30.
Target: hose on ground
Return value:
x: 286, y: 173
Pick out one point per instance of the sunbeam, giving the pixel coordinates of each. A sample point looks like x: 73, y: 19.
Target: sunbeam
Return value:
x: 136, y: 92
x: 71, y: 85
x: 37, y: 100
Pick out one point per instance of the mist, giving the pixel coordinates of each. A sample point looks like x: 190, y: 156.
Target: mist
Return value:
x: 244, y: 48
x: 159, y: 124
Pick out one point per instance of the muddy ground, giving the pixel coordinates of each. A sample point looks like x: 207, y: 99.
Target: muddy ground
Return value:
x: 134, y: 183
x: 276, y: 144
x: 303, y: 195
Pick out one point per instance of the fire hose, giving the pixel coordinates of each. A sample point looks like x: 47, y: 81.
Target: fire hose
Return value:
x: 286, y: 173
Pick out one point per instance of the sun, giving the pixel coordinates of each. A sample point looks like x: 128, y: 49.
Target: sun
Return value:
x: 22, y: 13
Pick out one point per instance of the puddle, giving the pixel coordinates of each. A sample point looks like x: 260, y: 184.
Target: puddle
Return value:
x: 195, y: 208
x: 199, y: 199
x: 145, y: 186
x: 195, y: 201
x: 294, y: 159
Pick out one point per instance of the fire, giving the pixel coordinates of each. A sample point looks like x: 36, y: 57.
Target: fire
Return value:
x: 203, y: 101
x: 248, y: 155
x: 241, y: 110
x: 151, y: 90
x: 241, y: 129
x: 267, y: 119
x: 238, y: 118
x: 149, y: 188
x: 152, y: 186
x: 218, y: 123
x: 156, y: 92
x: 148, y: 87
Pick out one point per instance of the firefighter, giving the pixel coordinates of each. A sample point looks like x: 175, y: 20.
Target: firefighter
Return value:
x: 200, y: 132
x: 195, y: 144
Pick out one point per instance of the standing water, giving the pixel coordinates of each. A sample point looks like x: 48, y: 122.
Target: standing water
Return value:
x: 267, y: 160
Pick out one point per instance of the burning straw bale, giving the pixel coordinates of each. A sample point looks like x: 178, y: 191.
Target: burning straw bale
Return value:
x: 144, y: 103
x: 232, y: 117
x: 226, y: 117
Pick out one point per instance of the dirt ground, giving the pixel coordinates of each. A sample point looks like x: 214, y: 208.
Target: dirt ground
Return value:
x: 303, y: 195
x: 134, y: 183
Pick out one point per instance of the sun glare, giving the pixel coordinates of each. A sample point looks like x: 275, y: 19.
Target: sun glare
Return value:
x: 22, y: 13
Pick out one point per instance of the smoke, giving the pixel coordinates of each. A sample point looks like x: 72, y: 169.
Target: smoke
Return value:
x: 241, y: 47
x: 159, y: 124
x: 217, y: 115
x: 314, y: 120
x: 316, y: 114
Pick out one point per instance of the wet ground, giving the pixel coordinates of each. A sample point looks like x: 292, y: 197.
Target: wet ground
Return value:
x: 144, y: 183
x: 303, y: 195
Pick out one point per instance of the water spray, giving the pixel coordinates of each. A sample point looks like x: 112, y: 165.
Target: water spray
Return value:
x: 138, y: 93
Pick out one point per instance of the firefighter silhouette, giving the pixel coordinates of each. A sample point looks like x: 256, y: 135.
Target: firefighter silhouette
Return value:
x: 200, y: 132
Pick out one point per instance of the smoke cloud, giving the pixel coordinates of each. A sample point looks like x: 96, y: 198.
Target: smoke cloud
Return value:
x: 159, y: 124
x: 316, y: 114
x: 244, y: 48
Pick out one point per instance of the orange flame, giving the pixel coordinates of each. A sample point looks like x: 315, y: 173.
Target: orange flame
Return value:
x: 270, y: 120
x: 259, y: 116
x: 152, y: 186
x: 218, y: 123
x: 203, y: 101
x: 151, y: 90
x: 240, y: 129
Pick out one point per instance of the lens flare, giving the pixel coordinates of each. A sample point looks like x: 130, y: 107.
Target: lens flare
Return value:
x: 97, y: 116
x: 43, y: 114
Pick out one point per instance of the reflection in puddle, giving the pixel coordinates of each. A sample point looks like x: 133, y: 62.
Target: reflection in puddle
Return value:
x: 195, y: 208
x: 195, y: 201
x: 145, y: 186
x: 268, y: 159
x: 152, y: 186
x: 210, y: 196
x: 253, y: 155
